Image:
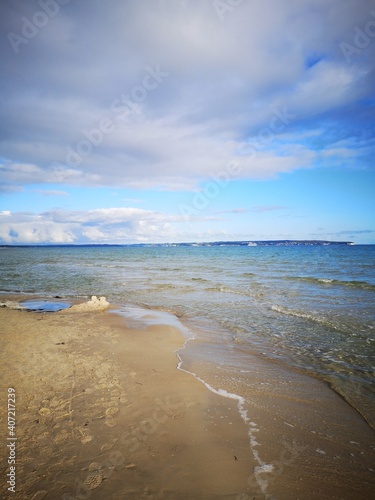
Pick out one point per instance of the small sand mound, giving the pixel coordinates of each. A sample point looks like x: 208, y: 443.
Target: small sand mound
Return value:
x: 94, y: 304
x: 11, y: 304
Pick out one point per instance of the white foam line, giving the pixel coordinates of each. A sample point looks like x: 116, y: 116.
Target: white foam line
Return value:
x: 262, y: 467
x: 139, y: 314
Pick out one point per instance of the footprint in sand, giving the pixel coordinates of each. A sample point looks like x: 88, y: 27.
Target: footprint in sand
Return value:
x: 110, y: 422
x: 108, y: 446
x: 83, y: 435
x: 111, y: 411
x: 63, y: 436
x: 95, y: 478
x: 45, y: 412
x: 93, y: 481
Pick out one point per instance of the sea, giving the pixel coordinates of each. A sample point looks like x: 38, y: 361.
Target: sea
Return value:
x: 308, y: 308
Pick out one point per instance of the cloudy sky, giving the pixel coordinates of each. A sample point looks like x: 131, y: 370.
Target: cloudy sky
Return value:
x: 186, y: 120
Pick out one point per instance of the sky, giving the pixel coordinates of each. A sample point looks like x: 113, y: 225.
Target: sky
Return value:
x: 150, y: 121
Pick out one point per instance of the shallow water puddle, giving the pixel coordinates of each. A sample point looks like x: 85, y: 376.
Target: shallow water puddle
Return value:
x: 44, y: 305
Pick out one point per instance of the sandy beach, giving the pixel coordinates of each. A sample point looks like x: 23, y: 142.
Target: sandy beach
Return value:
x: 102, y: 412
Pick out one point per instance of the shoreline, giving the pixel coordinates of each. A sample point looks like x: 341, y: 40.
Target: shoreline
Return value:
x: 103, y: 412
x: 298, y: 427
x: 269, y: 446
x: 143, y: 320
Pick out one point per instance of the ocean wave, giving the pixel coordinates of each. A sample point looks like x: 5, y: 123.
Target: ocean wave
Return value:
x: 225, y: 289
x: 253, y: 291
x: 361, y: 285
x: 174, y: 288
x: 164, y: 286
x: 322, y: 320
x: 17, y: 291
x: 172, y: 269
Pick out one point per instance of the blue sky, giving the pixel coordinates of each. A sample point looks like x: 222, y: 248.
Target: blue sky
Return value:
x: 166, y: 121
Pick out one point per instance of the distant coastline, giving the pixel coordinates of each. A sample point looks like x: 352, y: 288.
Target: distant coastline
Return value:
x: 251, y: 243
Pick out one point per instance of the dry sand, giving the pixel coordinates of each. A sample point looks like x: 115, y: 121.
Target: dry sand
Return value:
x: 103, y: 413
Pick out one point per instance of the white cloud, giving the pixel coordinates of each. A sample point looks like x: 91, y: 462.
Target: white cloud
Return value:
x: 108, y: 225
x: 115, y: 225
x: 51, y: 192
x: 327, y: 86
x: 269, y: 208
x: 224, y: 79
x: 25, y: 173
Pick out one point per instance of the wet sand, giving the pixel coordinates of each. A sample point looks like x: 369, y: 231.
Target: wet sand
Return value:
x: 307, y: 441
x: 102, y: 412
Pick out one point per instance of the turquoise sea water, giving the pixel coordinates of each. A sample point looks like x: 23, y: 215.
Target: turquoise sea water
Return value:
x: 308, y: 307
